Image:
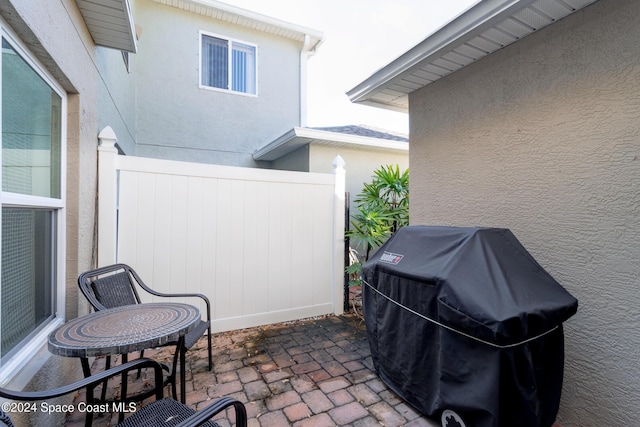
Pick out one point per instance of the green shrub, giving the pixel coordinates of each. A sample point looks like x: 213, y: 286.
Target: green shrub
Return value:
x: 382, y: 208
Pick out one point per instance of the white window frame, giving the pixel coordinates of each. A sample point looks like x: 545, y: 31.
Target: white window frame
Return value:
x: 25, y: 353
x: 230, y: 41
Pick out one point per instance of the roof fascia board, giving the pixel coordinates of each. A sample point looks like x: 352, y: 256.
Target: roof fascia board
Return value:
x: 278, y: 143
x: 464, y: 27
x: 234, y: 12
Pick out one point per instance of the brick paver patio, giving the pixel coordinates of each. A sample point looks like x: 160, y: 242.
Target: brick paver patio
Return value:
x: 309, y: 373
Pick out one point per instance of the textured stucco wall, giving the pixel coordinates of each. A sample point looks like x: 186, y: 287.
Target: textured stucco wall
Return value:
x: 116, y: 96
x: 359, y: 164
x: 297, y: 160
x: 543, y: 138
x: 176, y: 119
x: 56, y: 34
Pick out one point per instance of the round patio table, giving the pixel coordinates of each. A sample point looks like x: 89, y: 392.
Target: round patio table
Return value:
x: 125, y: 329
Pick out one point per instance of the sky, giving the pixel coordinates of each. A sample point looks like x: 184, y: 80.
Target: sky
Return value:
x: 360, y: 37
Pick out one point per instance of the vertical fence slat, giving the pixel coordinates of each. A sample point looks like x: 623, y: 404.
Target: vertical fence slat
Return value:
x: 194, y: 236
x: 338, y: 234
x: 161, y: 249
x: 209, y: 250
x: 177, y: 249
x: 237, y: 230
x: 143, y: 194
x: 223, y: 278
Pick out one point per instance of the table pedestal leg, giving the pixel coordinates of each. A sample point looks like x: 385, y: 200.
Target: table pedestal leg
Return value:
x: 86, y: 370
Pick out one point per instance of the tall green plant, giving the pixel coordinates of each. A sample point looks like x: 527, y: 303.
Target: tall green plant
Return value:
x: 382, y: 208
x: 388, y: 193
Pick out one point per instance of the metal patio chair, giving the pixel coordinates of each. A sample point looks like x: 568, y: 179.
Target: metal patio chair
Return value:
x: 161, y: 412
x: 116, y: 285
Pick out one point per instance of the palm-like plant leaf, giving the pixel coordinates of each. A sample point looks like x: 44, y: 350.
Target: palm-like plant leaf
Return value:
x: 383, y: 207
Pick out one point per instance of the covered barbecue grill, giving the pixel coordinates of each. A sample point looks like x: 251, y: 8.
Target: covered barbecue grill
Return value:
x: 466, y: 326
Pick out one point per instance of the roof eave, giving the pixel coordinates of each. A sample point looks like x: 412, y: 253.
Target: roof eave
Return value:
x: 247, y: 18
x: 298, y: 137
x: 480, y: 17
x: 280, y: 146
x: 110, y: 23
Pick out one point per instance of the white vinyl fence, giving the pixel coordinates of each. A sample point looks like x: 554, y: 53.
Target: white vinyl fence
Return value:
x: 264, y: 246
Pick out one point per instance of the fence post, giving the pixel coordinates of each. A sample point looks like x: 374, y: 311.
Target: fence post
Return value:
x: 107, y: 196
x: 338, y: 231
x: 347, y: 245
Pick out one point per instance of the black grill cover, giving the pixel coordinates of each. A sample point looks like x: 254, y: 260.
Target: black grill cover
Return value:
x: 465, y: 319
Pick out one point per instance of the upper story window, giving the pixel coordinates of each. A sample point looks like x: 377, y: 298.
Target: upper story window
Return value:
x: 228, y: 64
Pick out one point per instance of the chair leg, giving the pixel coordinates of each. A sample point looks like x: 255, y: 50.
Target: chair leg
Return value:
x: 123, y: 387
x: 88, y: 416
x: 174, y: 369
x: 183, y: 374
x: 107, y: 365
x: 140, y: 370
x: 209, y: 348
x: 86, y: 370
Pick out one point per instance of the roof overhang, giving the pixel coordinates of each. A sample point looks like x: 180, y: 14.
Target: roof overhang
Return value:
x: 235, y: 15
x: 110, y: 23
x: 299, y: 137
x: 484, y: 28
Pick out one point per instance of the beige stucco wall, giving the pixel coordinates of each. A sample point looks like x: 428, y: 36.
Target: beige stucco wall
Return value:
x: 543, y: 138
x: 56, y: 34
x: 359, y: 164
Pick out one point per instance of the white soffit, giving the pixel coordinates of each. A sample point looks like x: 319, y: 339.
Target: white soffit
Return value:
x: 235, y: 15
x: 110, y: 23
x: 486, y: 27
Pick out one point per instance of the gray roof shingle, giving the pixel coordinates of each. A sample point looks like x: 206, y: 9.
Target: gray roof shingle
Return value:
x: 365, y: 131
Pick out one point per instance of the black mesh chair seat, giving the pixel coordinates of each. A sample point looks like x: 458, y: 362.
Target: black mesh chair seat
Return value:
x: 194, y: 335
x: 165, y: 412
x: 161, y: 412
x: 116, y: 285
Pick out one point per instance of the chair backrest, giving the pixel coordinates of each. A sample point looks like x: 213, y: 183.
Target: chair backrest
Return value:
x: 114, y: 290
x: 107, y: 287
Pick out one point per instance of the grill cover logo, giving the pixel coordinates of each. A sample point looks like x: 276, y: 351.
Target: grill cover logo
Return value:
x: 451, y: 419
x: 391, y: 258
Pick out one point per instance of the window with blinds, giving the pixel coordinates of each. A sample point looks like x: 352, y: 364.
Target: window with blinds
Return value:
x: 228, y: 64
